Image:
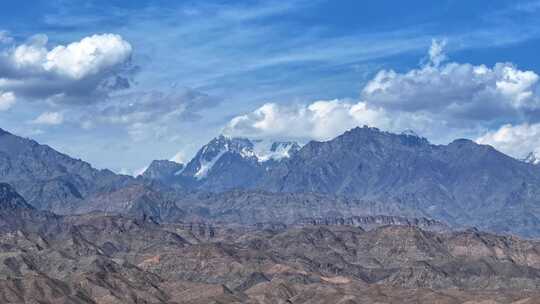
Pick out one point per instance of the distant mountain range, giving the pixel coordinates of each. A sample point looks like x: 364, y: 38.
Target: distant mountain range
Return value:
x: 363, y: 172
x: 462, y: 183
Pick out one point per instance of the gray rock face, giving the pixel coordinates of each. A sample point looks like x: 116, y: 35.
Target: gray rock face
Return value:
x: 253, y: 207
x: 16, y: 214
x: 48, y: 179
x: 371, y: 222
x: 10, y: 199
x: 165, y: 171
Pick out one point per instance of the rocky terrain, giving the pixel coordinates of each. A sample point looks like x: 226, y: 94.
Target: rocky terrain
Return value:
x: 369, y: 217
x: 99, y: 258
x: 48, y: 179
x: 462, y: 183
x: 363, y: 172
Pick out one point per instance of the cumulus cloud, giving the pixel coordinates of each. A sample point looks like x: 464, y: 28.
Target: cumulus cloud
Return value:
x: 320, y: 120
x: 49, y: 118
x: 179, y: 157
x: 325, y: 119
x: 80, y: 72
x: 7, y: 100
x: 516, y: 140
x: 457, y: 92
x: 441, y: 100
x: 436, y: 52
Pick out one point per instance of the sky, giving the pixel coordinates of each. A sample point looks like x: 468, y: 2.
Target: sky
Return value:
x: 121, y: 83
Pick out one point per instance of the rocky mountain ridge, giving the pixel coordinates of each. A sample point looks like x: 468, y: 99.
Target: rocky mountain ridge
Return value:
x: 362, y: 172
x: 462, y: 183
x: 50, y: 180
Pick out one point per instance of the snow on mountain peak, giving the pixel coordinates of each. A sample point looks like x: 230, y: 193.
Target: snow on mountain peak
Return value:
x: 258, y: 151
x: 261, y: 150
x: 265, y: 151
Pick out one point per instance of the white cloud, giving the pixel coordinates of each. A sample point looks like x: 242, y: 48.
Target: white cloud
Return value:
x: 179, y: 158
x: 89, y: 56
x: 80, y: 72
x: 49, y: 118
x: 323, y: 120
x: 320, y: 120
x: 456, y: 92
x: 7, y: 100
x: 436, y: 52
x: 440, y: 100
x: 516, y: 140
x: 76, y: 60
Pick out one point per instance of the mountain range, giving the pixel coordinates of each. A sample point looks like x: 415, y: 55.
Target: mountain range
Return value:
x: 362, y: 172
x: 462, y: 183
x: 367, y: 217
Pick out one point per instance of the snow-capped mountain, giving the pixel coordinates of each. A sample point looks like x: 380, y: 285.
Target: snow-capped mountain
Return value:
x: 207, y: 157
x: 532, y: 158
x: 227, y: 162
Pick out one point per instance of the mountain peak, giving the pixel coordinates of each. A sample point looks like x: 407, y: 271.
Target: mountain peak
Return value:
x: 225, y: 154
x: 461, y: 142
x: 366, y: 133
x: 163, y: 170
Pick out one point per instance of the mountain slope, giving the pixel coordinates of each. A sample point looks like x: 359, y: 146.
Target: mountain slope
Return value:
x: 164, y: 171
x: 48, y: 179
x: 10, y: 199
x: 462, y: 183
x: 16, y: 214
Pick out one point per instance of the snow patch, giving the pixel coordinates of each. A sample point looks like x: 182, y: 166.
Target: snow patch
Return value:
x: 265, y: 151
x: 206, y: 166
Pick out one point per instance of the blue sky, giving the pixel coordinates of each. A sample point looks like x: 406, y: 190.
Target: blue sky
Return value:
x: 170, y: 75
